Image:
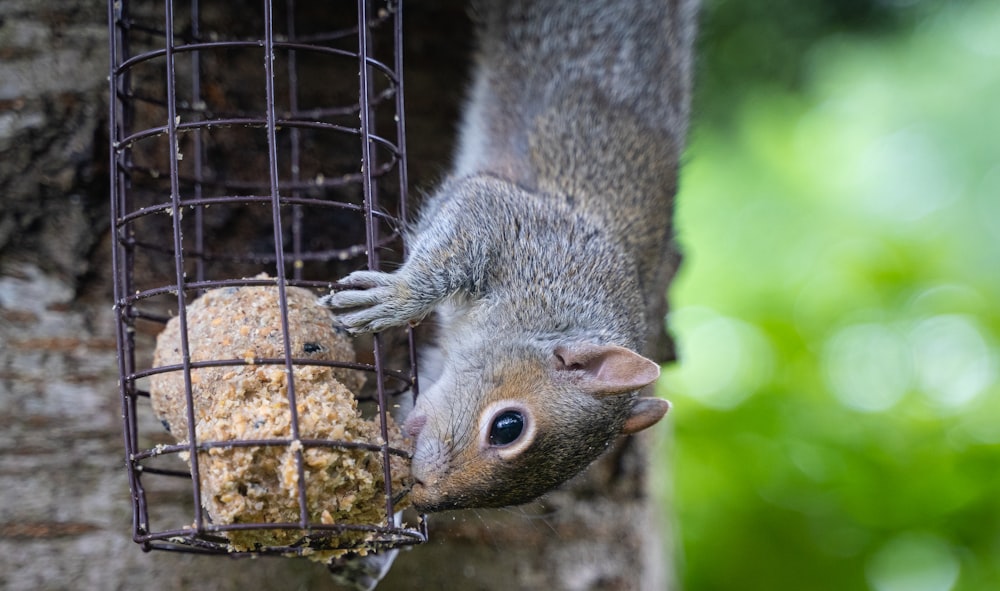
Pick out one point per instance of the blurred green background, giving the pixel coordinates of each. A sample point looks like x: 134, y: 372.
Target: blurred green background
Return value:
x: 837, y: 407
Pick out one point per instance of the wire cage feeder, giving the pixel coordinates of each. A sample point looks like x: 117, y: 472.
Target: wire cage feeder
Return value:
x: 255, y: 145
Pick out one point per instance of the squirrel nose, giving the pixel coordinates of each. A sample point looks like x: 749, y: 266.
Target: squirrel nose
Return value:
x: 414, y: 424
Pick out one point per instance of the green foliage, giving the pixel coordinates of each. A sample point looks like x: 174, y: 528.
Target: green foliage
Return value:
x: 743, y: 41
x: 837, y: 407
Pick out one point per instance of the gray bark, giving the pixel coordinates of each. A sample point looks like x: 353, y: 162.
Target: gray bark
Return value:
x: 64, y: 500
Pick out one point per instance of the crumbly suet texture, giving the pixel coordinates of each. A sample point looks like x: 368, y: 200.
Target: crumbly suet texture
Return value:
x: 260, y: 484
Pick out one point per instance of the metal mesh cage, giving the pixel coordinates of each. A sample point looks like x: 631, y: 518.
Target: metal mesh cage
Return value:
x: 249, y: 138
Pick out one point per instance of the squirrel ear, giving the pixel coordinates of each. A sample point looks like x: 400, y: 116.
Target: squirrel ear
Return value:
x: 606, y: 369
x: 645, y: 412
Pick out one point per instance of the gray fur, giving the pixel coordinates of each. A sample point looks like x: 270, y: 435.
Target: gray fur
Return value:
x: 554, y: 228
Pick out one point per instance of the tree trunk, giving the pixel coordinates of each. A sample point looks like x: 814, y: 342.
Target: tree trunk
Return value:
x: 64, y: 498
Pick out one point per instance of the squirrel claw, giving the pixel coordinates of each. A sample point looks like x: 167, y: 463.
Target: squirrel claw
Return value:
x: 372, y: 301
x: 365, y: 321
x: 357, y: 289
x: 342, y: 300
x: 365, y: 280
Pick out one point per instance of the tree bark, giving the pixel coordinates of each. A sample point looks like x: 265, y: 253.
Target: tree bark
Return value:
x: 64, y: 499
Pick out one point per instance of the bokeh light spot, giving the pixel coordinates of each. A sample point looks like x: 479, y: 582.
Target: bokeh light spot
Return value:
x: 952, y: 362
x: 913, y: 562
x: 867, y: 367
x: 723, y: 360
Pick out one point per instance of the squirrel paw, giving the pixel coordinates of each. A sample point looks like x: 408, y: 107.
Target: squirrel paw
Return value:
x: 378, y: 301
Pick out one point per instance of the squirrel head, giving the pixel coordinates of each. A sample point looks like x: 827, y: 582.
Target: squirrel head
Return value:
x: 506, y: 433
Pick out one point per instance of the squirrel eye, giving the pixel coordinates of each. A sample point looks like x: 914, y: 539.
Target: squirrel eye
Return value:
x: 506, y: 427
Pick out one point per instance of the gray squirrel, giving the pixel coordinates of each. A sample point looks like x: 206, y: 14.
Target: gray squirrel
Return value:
x: 544, y: 253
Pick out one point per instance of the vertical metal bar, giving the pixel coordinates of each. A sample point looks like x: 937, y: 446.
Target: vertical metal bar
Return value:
x: 279, y: 250
x: 367, y: 158
x: 123, y: 258
x: 404, y: 184
x: 397, y: 29
x: 179, y: 273
x: 296, y: 139
x: 117, y: 248
x: 125, y: 201
x: 120, y: 199
x: 199, y: 148
x: 371, y: 226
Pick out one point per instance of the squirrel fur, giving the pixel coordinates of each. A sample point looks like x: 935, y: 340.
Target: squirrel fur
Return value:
x: 544, y: 253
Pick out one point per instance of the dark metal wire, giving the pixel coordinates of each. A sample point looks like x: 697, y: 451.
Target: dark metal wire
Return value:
x: 181, y: 118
